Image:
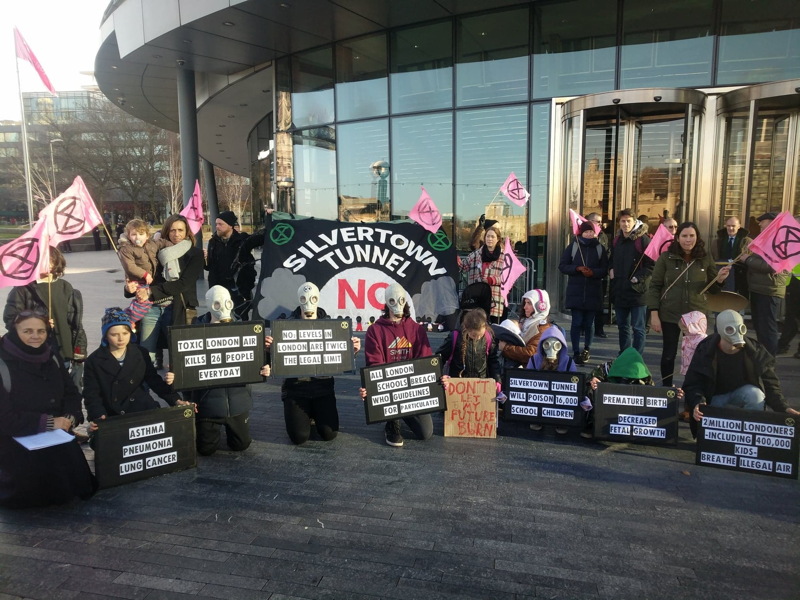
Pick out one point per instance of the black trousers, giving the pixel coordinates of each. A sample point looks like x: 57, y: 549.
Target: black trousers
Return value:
x: 237, y: 433
x: 671, y: 333
x: 299, y: 409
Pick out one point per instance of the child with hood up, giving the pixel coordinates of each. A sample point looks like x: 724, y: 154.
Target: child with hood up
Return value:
x: 533, y: 321
x: 552, y: 354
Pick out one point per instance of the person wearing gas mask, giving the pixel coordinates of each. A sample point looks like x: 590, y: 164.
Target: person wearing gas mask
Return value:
x: 227, y: 406
x: 310, y: 398
x: 393, y: 338
x: 730, y: 370
x: 553, y: 355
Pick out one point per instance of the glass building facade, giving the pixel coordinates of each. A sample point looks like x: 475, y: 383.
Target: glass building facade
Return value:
x: 455, y: 105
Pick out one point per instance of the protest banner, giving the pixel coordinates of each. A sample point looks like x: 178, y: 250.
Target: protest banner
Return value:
x: 311, y: 347
x: 642, y: 414
x: 471, y: 408
x: 546, y: 397
x: 748, y: 440
x: 352, y: 264
x: 220, y: 354
x: 144, y: 444
x: 403, y: 389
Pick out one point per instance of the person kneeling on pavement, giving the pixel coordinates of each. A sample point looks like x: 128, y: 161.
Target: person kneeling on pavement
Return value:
x: 553, y: 355
x: 216, y: 407
x: 729, y: 370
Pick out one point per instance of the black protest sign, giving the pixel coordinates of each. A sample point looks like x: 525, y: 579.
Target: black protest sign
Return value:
x: 352, y: 264
x: 144, y: 444
x: 311, y: 348
x: 403, y: 389
x: 546, y: 397
x: 748, y: 440
x: 642, y: 414
x: 219, y: 354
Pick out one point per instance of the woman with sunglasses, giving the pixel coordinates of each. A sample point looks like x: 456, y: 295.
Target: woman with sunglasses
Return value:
x: 678, y: 286
x: 38, y: 395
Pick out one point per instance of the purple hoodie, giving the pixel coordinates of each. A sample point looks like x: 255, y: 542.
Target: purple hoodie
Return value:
x: 388, y: 342
x: 565, y: 362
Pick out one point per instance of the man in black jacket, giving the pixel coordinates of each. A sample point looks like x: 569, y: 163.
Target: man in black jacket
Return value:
x: 221, y: 256
x: 729, y: 370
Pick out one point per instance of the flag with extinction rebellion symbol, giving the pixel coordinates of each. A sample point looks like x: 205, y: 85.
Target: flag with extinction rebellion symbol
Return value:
x: 72, y: 214
x: 23, y: 259
x: 352, y: 264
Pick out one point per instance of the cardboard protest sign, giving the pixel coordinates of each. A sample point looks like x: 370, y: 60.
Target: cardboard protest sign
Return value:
x: 144, y: 444
x: 311, y: 348
x: 403, y: 389
x: 352, y: 264
x: 546, y: 397
x: 471, y: 408
x: 748, y: 440
x: 642, y: 414
x: 212, y: 355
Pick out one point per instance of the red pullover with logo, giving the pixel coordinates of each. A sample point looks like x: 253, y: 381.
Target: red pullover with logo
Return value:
x: 388, y: 342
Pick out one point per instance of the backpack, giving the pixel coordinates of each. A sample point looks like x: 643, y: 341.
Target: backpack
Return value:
x: 477, y: 295
x: 638, y: 244
x: 599, y: 250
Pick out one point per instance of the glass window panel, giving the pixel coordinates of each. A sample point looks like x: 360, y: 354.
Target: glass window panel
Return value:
x: 493, y: 58
x: 574, y: 48
x: 422, y: 68
x: 759, y: 41
x: 315, y: 172
x: 312, y: 87
x: 667, y: 44
x: 361, y: 78
x: 488, y: 146
x: 363, y: 154
x: 422, y: 154
x: 733, y: 169
x: 769, y: 163
x: 534, y: 248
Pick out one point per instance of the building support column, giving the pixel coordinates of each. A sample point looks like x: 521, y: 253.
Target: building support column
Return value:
x: 211, y: 193
x: 187, y: 124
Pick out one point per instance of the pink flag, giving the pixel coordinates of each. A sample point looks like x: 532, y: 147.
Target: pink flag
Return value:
x: 426, y: 214
x: 25, y: 53
x: 194, y: 210
x: 23, y: 260
x: 515, y: 191
x: 577, y: 220
x: 662, y: 238
x: 779, y: 243
x: 512, y: 269
x: 72, y: 214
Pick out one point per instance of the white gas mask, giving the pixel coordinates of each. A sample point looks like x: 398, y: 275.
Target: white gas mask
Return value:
x: 308, y: 297
x: 731, y: 327
x: 219, y: 303
x: 396, y: 300
x: 551, y: 347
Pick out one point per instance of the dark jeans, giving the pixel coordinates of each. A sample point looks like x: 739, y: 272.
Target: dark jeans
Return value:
x: 791, y: 323
x: 631, y: 318
x: 237, y: 433
x: 582, y: 322
x: 420, y: 425
x: 671, y: 333
x: 298, y: 410
x: 764, y: 312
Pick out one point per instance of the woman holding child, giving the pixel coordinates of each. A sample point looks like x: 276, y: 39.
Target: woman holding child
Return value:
x: 174, y: 288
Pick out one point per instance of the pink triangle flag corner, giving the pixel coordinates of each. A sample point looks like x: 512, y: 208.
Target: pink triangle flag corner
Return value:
x: 515, y: 191
x: 426, y: 213
x: 71, y: 214
x: 511, y: 270
x: 193, y: 211
x: 779, y: 243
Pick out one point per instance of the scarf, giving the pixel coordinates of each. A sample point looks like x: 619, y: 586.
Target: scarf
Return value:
x: 169, y: 258
x: 20, y: 350
x: 487, y: 256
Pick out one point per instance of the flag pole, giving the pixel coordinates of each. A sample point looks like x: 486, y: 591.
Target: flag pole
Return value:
x: 25, y: 154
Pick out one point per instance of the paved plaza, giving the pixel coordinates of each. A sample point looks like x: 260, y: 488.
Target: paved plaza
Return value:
x: 528, y: 515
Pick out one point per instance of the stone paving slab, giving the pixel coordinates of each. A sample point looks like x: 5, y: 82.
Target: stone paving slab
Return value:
x: 526, y: 516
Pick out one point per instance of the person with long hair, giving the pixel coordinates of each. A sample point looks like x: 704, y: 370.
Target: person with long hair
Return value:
x: 37, y: 395
x: 174, y: 288
x: 486, y: 264
x: 677, y: 286
x: 471, y: 351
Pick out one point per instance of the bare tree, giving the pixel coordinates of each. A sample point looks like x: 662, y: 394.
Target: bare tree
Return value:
x: 233, y: 191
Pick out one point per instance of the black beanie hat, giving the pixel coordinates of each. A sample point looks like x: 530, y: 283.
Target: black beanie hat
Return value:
x: 228, y: 216
x: 585, y: 226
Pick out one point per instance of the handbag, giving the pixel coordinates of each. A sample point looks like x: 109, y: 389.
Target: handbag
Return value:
x: 189, y: 312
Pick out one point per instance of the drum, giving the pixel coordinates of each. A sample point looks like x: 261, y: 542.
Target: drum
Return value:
x: 726, y: 300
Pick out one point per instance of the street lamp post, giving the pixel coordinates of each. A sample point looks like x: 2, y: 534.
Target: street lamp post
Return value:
x: 53, y: 164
